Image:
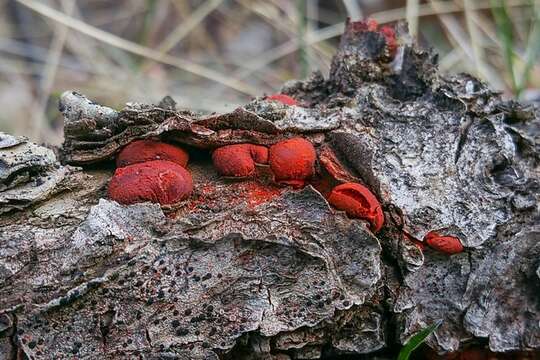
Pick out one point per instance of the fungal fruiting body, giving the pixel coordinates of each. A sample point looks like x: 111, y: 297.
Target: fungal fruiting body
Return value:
x: 239, y: 160
x: 158, y: 181
x: 282, y: 98
x: 358, y: 202
x: 386, y: 31
x: 445, y: 244
x: 390, y: 39
x: 372, y: 24
x: 147, y: 150
x: 292, y: 161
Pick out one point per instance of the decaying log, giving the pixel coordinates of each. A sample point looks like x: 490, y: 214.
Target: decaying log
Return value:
x: 248, y: 269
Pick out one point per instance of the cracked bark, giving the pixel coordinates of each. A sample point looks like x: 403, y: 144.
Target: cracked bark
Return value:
x: 225, y: 276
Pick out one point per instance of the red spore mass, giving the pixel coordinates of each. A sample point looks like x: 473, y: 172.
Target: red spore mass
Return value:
x: 158, y: 181
x: 445, y: 244
x: 282, y: 98
x: 292, y: 161
x: 239, y: 160
x: 358, y: 202
x: 147, y: 150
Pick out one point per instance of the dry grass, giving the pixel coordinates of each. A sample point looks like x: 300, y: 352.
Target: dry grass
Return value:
x: 212, y: 55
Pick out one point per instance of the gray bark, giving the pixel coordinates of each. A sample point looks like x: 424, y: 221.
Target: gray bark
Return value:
x: 219, y: 277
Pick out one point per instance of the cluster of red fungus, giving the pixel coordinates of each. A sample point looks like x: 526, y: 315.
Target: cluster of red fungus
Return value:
x: 149, y: 170
x: 292, y: 162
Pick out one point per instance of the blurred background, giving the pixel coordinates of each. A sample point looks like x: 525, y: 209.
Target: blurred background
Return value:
x: 212, y: 55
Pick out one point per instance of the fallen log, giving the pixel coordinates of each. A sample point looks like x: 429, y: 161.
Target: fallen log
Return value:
x: 257, y: 270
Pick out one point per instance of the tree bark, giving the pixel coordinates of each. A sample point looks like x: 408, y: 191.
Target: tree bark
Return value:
x: 247, y: 269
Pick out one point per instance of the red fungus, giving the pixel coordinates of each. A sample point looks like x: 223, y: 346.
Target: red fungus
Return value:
x: 445, y: 244
x: 158, y: 181
x: 292, y: 161
x: 239, y: 160
x: 146, y: 150
x: 282, y: 98
x: 387, y: 31
x: 372, y: 24
x: 390, y: 37
x: 357, y: 201
x: 361, y: 26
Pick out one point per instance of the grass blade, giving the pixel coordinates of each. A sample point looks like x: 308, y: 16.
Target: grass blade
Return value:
x: 302, y: 47
x: 412, y: 9
x: 417, y: 340
x: 533, y: 49
x: 504, y: 29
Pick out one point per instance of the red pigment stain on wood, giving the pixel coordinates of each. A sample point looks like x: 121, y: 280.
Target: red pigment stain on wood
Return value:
x: 282, y: 98
x: 250, y: 192
x: 207, y: 198
x: 445, y: 244
x: 357, y: 201
x: 292, y: 161
x: 147, y: 150
x: 419, y: 244
x: 239, y: 160
x: 257, y: 193
x: 158, y: 181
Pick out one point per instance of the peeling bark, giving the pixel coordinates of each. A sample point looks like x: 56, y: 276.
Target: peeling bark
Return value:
x: 228, y: 274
